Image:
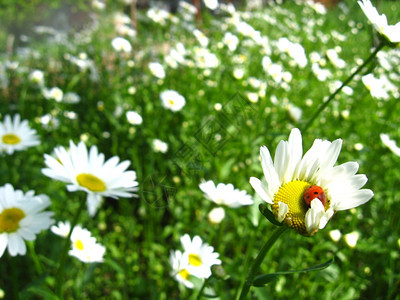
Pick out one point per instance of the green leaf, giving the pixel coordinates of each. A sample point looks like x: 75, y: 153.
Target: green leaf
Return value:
x: 268, y: 278
x: 43, y: 292
x: 268, y: 214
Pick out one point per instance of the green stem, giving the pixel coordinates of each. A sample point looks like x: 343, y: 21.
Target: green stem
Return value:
x: 257, y: 262
x: 332, y: 96
x: 35, y: 258
x: 64, y: 252
x: 202, y: 288
x: 14, y: 277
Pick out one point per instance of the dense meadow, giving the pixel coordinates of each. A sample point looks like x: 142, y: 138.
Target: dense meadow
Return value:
x: 240, y: 78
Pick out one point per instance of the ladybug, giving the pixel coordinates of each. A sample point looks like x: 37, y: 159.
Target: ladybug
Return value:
x: 313, y: 192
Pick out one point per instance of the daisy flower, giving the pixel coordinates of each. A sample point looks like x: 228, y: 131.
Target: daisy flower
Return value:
x: 134, y: 118
x: 172, y: 100
x: 157, y: 70
x: 225, y: 194
x: 62, y: 229
x: 159, y: 146
x: 305, y: 192
x: 121, y: 45
x: 390, y: 32
x: 21, y: 218
x: 16, y: 135
x: 198, y: 257
x: 84, y: 246
x: 85, y: 170
x: 391, y: 144
x: 179, y: 271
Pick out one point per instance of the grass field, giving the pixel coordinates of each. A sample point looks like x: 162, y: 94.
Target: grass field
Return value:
x: 235, y: 102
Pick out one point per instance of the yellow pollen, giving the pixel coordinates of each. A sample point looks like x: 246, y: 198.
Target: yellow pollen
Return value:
x: 11, y: 139
x: 79, y: 245
x: 292, y: 193
x: 91, y: 182
x: 194, y: 260
x: 184, y: 274
x: 171, y: 102
x: 9, y: 219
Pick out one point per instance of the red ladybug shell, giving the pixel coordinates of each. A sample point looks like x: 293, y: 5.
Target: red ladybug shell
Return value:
x: 313, y: 192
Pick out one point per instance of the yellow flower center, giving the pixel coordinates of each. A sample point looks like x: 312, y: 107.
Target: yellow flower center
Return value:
x: 78, y: 244
x: 9, y: 219
x: 91, y: 182
x: 171, y: 102
x: 184, y: 274
x: 194, y: 260
x: 11, y: 139
x: 292, y: 194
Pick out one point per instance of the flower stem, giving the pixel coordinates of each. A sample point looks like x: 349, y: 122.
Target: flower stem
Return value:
x: 332, y: 96
x: 257, y: 262
x: 14, y: 277
x: 64, y: 252
x: 202, y: 288
x: 35, y: 258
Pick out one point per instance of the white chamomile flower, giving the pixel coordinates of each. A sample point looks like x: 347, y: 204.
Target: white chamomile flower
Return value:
x: 351, y: 239
x: 55, y: 93
x: 305, y: 191
x: 225, y: 194
x: 159, y: 146
x: 88, y: 171
x: 179, y: 271
x: 390, y: 32
x: 157, y: 70
x: 37, y: 77
x: 198, y: 256
x: 172, y: 100
x: 84, y: 246
x: 16, y: 135
x: 216, y: 215
x: 391, y: 144
x: 134, y: 118
x: 62, y: 229
x: 121, y: 45
x: 21, y: 218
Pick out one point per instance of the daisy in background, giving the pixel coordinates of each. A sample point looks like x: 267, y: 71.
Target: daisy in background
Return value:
x: 391, y: 144
x: 157, y: 70
x: 305, y: 191
x: 225, y: 194
x: 195, y: 260
x: 172, y: 100
x: 159, y: 146
x: 22, y: 217
x: 83, y: 245
x: 390, y: 32
x: 88, y: 171
x: 16, y: 135
x: 121, y: 45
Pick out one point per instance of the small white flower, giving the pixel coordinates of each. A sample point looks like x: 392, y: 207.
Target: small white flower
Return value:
x: 198, y: 256
x: 391, y: 144
x: 16, y: 135
x: 391, y: 32
x: 134, y: 118
x: 54, y: 93
x: 159, y: 146
x: 121, y: 45
x: 179, y: 271
x: 71, y: 98
x: 37, y: 77
x: 225, y: 194
x: 352, y: 239
x: 335, y: 235
x: 216, y: 215
x: 62, y: 229
x: 375, y: 86
x: 84, y: 246
x: 211, y: 4
x: 21, y: 218
x: 172, y: 100
x: 157, y: 70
